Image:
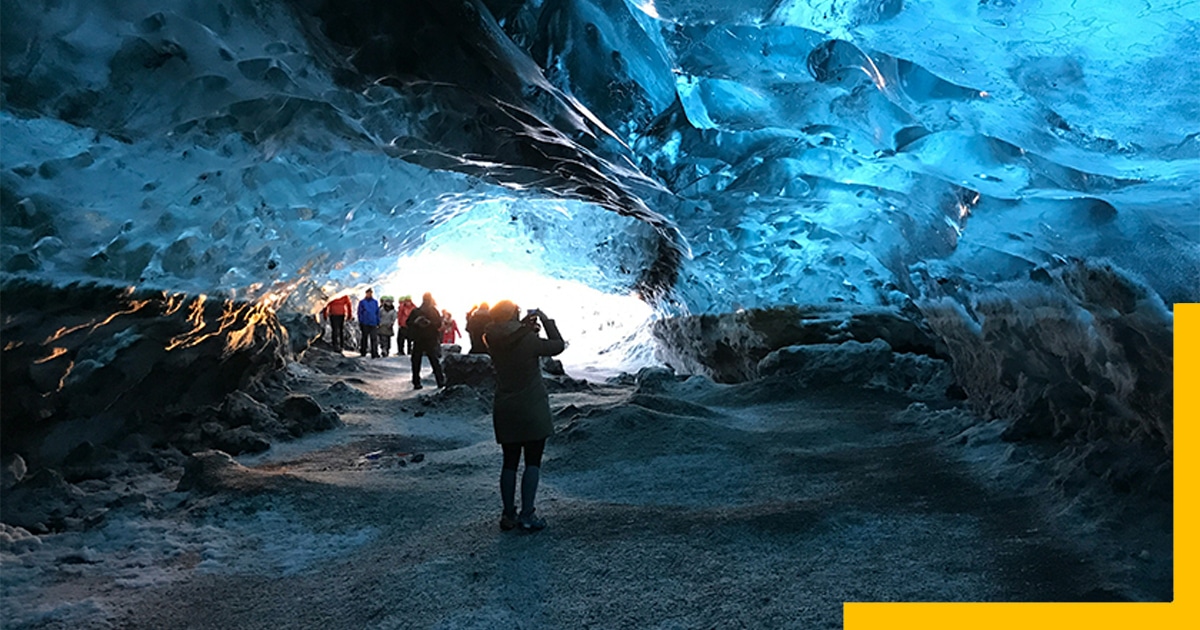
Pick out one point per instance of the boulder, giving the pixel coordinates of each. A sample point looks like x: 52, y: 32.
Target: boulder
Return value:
x: 241, y: 440
x: 728, y: 347
x: 301, y: 414
x: 12, y: 471
x: 239, y: 409
x: 43, y: 501
x: 96, y: 362
x: 871, y: 365
x: 553, y: 366
x: 17, y: 540
x: 208, y: 471
x: 303, y: 330
x: 474, y: 370
x: 654, y: 379
x: 298, y: 407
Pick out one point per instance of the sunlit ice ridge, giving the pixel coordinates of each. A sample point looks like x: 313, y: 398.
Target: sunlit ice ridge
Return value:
x: 702, y: 157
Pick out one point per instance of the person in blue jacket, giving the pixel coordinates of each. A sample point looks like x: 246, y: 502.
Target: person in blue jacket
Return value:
x: 368, y: 322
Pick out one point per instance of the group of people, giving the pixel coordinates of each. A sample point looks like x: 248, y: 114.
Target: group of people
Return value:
x: 521, y: 416
x: 380, y: 320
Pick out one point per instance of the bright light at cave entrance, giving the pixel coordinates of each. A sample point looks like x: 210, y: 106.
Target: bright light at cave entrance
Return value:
x: 605, y: 333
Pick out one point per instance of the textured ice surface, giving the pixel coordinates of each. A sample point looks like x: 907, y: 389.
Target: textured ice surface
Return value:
x: 208, y: 147
x: 751, y: 153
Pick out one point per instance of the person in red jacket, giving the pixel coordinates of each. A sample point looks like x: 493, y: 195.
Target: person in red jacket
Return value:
x: 404, y: 340
x: 450, y: 331
x: 336, y: 312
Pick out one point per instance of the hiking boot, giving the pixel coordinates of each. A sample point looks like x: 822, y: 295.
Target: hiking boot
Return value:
x: 532, y: 523
x: 417, y: 386
x: 508, y: 521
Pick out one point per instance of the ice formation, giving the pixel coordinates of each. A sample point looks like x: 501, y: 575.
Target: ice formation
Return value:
x: 703, y: 156
x: 755, y: 154
x: 986, y: 206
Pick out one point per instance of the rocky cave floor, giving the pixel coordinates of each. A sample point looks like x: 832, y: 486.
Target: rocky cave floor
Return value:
x: 672, y: 503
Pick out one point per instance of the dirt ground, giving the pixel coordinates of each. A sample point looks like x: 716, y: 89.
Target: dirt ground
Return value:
x: 671, y: 504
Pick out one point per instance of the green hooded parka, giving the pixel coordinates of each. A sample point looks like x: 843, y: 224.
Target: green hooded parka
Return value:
x: 521, y: 410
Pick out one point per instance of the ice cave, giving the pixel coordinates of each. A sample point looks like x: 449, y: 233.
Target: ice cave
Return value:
x: 864, y: 300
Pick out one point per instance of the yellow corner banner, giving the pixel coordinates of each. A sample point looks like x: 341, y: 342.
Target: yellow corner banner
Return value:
x: 1098, y: 616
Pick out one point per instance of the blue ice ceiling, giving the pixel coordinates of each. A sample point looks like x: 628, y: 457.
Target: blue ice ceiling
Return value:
x: 710, y: 154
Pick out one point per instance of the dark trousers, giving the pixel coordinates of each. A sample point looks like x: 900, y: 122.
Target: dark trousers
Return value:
x: 385, y: 344
x: 368, y: 338
x: 533, y: 453
x: 433, y: 351
x: 404, y: 344
x: 337, y: 325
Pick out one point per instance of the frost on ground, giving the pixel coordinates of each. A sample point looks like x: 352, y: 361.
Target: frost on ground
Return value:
x: 672, y: 502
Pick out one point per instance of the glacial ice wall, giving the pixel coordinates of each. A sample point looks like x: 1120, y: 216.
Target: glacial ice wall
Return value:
x: 215, y: 147
x: 742, y: 153
x: 1020, y: 180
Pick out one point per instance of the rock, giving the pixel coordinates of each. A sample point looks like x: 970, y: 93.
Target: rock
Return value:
x: 241, y: 440
x: 624, y: 379
x: 474, y: 370
x: 73, y: 371
x: 343, y: 391
x: 87, y: 555
x: 1079, y: 352
x: 239, y: 409
x: 95, y: 517
x: 302, y: 330
x: 821, y: 365
x: 207, y: 471
x: 42, y: 500
x: 80, y: 454
x: 22, y: 262
x: 49, y: 247
x: 297, y: 407
x: 17, y: 540
x: 303, y: 415
x: 654, y: 379
x: 560, y: 384
x: 553, y: 366
x: 12, y: 471
x: 728, y: 347
x: 87, y: 461
x: 326, y: 421
x: 136, y: 445
x: 872, y: 365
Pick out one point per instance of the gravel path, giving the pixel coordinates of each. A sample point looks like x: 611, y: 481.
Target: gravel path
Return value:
x: 691, y: 505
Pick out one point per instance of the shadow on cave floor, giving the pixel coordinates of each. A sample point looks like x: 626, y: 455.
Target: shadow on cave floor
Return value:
x: 665, y: 509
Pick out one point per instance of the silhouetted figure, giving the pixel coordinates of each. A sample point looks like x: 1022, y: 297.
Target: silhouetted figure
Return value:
x: 477, y: 322
x: 387, y: 324
x: 368, y: 321
x: 337, y: 311
x: 521, y: 408
x: 424, y: 327
x: 403, y: 310
x: 450, y: 331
